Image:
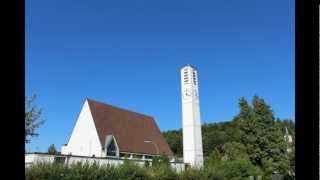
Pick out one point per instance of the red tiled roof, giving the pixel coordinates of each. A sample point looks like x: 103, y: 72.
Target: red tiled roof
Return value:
x: 130, y: 129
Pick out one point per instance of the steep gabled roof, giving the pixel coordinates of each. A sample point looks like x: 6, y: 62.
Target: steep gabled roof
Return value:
x: 130, y: 129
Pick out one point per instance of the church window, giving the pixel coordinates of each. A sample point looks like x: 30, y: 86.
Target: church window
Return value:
x: 112, y: 150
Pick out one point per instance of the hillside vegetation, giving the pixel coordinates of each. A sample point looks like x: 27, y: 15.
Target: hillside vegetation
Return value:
x: 253, y: 140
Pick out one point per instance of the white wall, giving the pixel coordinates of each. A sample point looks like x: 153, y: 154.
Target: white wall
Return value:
x: 192, y: 136
x: 34, y: 158
x: 84, y: 140
x: 114, y: 162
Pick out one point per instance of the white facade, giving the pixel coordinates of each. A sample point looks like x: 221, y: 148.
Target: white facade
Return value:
x: 192, y: 137
x: 84, y: 140
x: 32, y: 158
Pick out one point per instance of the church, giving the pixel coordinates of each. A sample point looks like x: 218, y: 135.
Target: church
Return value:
x: 102, y: 130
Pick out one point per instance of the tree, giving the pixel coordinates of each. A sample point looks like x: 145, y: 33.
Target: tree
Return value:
x: 262, y: 136
x: 213, y: 138
x: 232, y: 163
x: 174, y: 139
x: 32, y: 119
x: 52, y: 149
x: 253, y: 139
x: 213, y: 159
x: 234, y: 151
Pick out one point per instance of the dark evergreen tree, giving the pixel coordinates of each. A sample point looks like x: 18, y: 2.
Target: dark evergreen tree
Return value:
x: 262, y: 137
x: 52, y: 149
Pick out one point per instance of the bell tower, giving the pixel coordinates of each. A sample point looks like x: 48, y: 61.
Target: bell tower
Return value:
x: 192, y: 137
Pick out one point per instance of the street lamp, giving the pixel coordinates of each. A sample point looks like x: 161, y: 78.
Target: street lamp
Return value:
x: 154, y: 145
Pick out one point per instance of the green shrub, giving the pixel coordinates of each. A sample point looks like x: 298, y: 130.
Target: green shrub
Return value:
x: 49, y: 171
x: 192, y: 174
x: 128, y: 170
x: 160, y: 160
x: 221, y: 170
x: 162, y: 172
x: 236, y: 170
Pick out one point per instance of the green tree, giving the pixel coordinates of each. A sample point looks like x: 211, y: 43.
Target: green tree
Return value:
x: 237, y: 169
x: 33, y: 118
x: 254, y: 135
x: 174, y: 139
x: 52, y: 149
x: 262, y: 137
x: 213, y: 159
x: 232, y: 163
x: 213, y: 139
x: 234, y: 151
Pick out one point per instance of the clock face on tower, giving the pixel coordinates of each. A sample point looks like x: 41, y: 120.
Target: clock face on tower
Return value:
x: 186, y: 93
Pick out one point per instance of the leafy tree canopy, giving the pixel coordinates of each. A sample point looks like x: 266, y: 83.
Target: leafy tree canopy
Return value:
x: 33, y: 118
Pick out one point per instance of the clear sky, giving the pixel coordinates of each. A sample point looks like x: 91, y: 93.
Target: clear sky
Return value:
x: 129, y: 54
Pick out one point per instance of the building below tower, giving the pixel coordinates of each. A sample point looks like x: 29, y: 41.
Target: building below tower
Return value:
x: 103, y: 130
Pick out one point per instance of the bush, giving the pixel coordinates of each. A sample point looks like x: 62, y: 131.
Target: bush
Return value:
x: 45, y: 171
x: 192, y: 174
x: 221, y: 170
x: 128, y: 170
x: 160, y: 161
x: 162, y: 172
x: 236, y: 170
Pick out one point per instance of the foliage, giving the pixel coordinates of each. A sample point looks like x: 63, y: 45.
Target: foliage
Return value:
x: 162, y: 172
x: 32, y: 119
x: 253, y: 137
x: 160, y: 161
x: 231, y: 163
x: 52, y: 149
x: 131, y: 171
x: 237, y: 169
x: 174, y: 139
x: 194, y: 174
x: 262, y: 136
x: 127, y: 171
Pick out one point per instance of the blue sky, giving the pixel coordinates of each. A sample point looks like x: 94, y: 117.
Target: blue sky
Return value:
x: 129, y: 54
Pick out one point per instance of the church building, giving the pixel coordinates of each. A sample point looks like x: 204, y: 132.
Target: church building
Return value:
x: 103, y: 130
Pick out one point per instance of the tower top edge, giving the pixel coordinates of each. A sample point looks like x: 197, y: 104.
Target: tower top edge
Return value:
x: 189, y: 65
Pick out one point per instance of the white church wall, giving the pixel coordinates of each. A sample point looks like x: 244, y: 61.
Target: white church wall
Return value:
x: 34, y: 158
x: 114, y: 162
x: 84, y: 140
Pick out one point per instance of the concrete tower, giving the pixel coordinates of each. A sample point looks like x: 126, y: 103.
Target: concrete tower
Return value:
x: 192, y: 138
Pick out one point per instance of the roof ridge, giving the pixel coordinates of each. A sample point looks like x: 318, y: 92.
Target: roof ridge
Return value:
x: 105, y: 104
